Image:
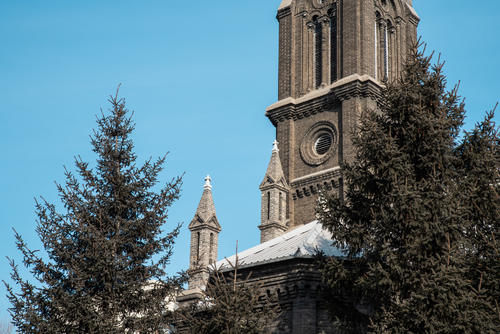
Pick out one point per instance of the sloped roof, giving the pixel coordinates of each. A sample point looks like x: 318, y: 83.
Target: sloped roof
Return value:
x: 302, y: 242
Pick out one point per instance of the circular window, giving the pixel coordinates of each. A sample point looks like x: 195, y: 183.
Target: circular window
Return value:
x: 319, y: 143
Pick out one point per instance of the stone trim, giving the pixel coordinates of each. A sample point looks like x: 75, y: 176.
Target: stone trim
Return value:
x: 313, y: 184
x: 205, y: 226
x: 324, y: 99
x: 358, y: 88
x: 335, y: 171
x: 414, y: 18
x: 272, y: 225
x: 285, y: 4
x: 295, y: 112
x: 283, y: 11
x: 268, y: 186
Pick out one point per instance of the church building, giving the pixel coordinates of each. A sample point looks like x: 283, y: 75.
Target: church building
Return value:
x: 334, y: 57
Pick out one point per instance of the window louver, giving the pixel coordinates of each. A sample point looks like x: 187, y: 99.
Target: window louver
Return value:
x: 323, y: 143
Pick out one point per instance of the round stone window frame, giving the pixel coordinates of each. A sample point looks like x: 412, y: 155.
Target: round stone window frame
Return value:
x: 308, y: 144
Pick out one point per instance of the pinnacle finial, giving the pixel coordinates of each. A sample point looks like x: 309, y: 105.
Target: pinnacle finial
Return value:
x: 208, y: 183
x: 275, y: 146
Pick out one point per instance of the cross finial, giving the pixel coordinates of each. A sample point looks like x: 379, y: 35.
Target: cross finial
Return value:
x: 275, y: 146
x: 208, y: 183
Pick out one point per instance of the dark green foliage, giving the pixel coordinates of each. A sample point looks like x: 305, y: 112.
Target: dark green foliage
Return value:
x: 419, y: 220
x: 480, y: 186
x: 104, y: 269
x: 230, y: 306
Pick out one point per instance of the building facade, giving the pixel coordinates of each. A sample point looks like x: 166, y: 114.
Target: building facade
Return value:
x: 334, y: 58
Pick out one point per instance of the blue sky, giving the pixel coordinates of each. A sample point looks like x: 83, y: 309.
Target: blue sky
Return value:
x: 198, y: 74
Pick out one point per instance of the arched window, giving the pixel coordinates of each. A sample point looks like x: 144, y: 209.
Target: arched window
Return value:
x: 332, y: 13
x: 318, y: 52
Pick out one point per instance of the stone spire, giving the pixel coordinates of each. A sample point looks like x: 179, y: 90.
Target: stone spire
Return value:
x: 206, y: 207
x: 205, y: 230
x: 274, y: 190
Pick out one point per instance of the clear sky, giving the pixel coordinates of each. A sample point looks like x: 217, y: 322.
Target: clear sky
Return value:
x: 198, y: 74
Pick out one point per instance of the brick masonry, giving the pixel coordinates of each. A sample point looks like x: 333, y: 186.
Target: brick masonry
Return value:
x: 362, y: 60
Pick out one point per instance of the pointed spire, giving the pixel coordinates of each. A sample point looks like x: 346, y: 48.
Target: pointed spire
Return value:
x: 206, y: 207
x: 274, y: 173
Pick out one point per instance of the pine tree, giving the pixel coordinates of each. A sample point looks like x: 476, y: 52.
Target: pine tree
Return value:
x: 232, y: 304
x: 104, y: 267
x: 408, y: 213
x: 480, y: 185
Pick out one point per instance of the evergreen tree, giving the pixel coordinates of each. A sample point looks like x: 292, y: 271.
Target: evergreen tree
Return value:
x: 480, y: 188
x: 418, y: 222
x: 104, y: 268
x: 231, y: 305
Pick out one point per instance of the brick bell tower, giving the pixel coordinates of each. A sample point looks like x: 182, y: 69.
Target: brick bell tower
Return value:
x: 334, y: 56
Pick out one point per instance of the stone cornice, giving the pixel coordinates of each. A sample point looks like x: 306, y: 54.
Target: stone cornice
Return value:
x: 316, y: 178
x: 268, y: 186
x: 324, y: 99
x: 207, y: 226
x: 364, y: 86
x: 282, y: 12
x: 272, y: 225
x: 285, y: 4
x: 413, y: 17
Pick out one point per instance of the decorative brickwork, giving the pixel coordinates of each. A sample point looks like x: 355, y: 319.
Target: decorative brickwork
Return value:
x: 334, y: 56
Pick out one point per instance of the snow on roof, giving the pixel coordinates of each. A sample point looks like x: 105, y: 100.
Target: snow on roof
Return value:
x: 302, y: 242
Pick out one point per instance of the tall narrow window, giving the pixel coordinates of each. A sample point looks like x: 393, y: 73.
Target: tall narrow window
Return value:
x: 377, y: 42
x: 386, y: 53
x: 268, y: 205
x: 318, y: 51
x: 333, y: 44
x: 197, y: 247
x: 390, y: 50
x: 280, y: 205
x: 211, y: 252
